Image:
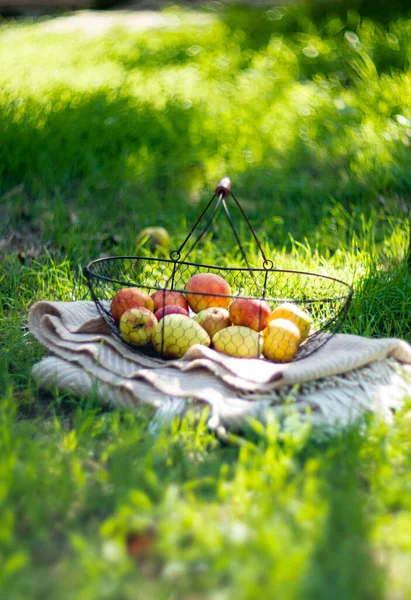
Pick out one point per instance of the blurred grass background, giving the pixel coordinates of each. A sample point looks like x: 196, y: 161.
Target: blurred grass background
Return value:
x: 300, y: 111
x: 107, y: 126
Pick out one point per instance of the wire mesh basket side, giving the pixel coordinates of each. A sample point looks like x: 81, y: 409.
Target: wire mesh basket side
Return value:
x: 324, y: 298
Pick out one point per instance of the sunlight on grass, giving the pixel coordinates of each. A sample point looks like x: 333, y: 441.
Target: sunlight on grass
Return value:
x: 199, y: 99
x: 309, y: 112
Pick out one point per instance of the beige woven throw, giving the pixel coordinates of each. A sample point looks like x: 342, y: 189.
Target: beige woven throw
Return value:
x: 344, y: 379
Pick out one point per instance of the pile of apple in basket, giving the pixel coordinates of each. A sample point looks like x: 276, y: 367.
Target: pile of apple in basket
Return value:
x: 206, y: 313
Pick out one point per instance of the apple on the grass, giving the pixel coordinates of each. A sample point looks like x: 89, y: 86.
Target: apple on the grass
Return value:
x: 213, y: 319
x: 170, y: 309
x: 128, y: 298
x: 250, y: 312
x: 155, y: 237
x: 165, y: 297
x: 206, y: 290
x: 137, y: 325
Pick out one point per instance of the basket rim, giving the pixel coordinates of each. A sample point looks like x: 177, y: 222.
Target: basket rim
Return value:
x: 89, y: 273
x: 328, y: 328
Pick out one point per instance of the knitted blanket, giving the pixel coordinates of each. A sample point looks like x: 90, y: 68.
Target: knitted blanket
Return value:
x: 346, y: 378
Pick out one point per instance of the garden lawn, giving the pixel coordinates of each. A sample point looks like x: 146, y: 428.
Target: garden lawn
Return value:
x: 104, y: 132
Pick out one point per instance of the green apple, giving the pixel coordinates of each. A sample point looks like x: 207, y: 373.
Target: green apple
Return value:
x: 175, y: 334
x: 137, y: 325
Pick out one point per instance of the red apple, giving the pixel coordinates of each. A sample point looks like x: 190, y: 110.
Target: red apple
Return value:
x: 213, y: 319
x: 129, y: 298
x: 137, y: 326
x: 250, y: 312
x: 213, y: 291
x: 170, y: 309
x: 165, y: 297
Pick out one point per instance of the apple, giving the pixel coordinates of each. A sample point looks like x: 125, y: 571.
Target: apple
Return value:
x: 170, y: 309
x: 137, y: 325
x: 212, y: 290
x: 155, y: 237
x: 175, y: 334
x: 165, y: 297
x: 281, y: 340
x: 238, y: 341
x: 296, y: 315
x: 213, y: 319
x: 128, y: 298
x: 250, y: 312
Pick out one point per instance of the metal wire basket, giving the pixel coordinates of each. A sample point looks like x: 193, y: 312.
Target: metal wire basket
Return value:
x: 326, y: 299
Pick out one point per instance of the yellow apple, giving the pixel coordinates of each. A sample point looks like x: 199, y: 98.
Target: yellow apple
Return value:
x: 238, y: 341
x: 281, y: 340
x: 296, y: 315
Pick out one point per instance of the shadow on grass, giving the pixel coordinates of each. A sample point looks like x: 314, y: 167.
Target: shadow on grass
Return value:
x: 343, y: 565
x: 107, y: 142
x: 134, y: 160
x: 115, y: 144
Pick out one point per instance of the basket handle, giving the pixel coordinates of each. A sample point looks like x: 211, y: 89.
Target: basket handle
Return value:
x: 223, y: 187
x: 222, y: 191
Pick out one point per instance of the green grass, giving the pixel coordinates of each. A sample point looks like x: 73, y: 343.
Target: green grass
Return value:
x: 309, y: 112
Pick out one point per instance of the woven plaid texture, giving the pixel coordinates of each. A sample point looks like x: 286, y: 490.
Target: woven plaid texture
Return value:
x: 344, y: 379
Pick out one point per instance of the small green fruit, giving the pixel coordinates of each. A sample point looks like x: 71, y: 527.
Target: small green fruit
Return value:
x: 155, y: 237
